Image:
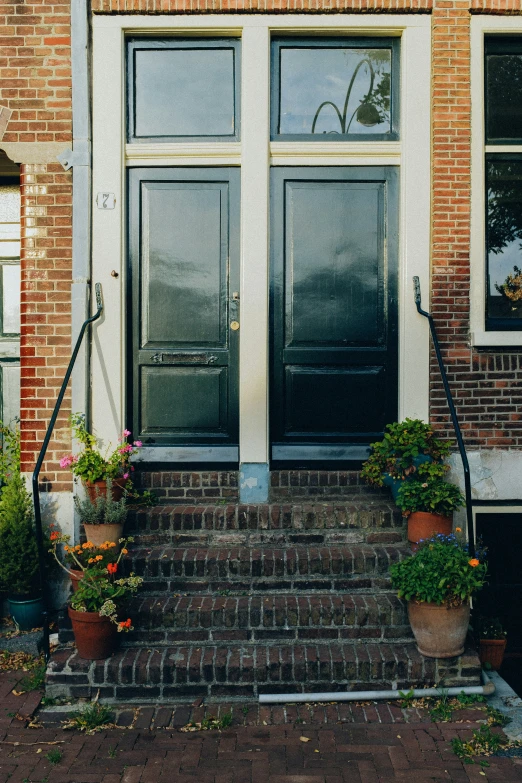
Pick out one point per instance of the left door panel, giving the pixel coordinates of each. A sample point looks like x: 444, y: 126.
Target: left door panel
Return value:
x: 183, y: 298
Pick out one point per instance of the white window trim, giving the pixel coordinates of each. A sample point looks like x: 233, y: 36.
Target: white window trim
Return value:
x: 481, y: 26
x: 255, y: 153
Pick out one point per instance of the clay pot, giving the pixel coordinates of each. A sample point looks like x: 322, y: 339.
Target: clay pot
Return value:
x: 98, y: 534
x: 95, y: 637
x: 99, y: 487
x: 422, y: 525
x: 75, y: 575
x: 492, y: 651
x: 440, y: 632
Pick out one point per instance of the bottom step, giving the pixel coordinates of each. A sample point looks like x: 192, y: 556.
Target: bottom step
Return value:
x: 240, y: 672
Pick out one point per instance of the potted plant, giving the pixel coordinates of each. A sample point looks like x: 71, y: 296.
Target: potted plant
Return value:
x: 428, y: 502
x: 103, y: 517
x: 95, y: 605
x: 95, y: 468
x: 19, y: 565
x: 437, y: 581
x: 88, y: 555
x: 492, y: 641
x: 511, y: 291
x: 405, y: 446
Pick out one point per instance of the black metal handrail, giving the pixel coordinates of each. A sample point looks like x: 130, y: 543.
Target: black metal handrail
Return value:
x: 454, y: 418
x: 39, y: 463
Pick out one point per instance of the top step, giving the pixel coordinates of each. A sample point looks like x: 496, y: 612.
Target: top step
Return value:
x: 285, y: 485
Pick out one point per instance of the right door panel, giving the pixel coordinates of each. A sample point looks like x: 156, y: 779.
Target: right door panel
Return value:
x: 334, y: 310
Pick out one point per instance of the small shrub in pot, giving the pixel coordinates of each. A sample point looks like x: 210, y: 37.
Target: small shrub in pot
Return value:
x: 438, y: 581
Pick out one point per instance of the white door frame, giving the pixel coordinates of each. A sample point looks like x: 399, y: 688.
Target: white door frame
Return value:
x: 255, y: 153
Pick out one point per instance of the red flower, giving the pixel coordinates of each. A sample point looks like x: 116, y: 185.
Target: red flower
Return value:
x: 112, y: 568
x: 54, y: 535
x: 125, y: 623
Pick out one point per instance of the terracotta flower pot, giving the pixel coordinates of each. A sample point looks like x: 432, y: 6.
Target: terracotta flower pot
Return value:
x: 492, y: 651
x: 440, y: 631
x: 75, y: 575
x: 95, y: 637
x: 98, y: 534
x: 99, y: 487
x: 422, y: 525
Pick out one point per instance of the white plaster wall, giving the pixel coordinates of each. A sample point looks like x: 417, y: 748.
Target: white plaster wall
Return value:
x: 495, y: 474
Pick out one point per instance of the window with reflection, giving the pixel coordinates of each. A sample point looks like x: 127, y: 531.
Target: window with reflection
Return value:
x: 335, y: 89
x: 181, y: 90
x: 503, y: 126
x: 9, y: 260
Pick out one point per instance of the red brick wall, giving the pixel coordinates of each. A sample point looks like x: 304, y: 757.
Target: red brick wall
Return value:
x: 35, y: 83
x: 46, y: 314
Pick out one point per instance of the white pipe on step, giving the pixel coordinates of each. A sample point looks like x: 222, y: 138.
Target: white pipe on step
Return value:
x: 487, y: 689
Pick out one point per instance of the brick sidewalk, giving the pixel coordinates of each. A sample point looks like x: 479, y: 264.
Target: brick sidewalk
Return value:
x: 347, y: 743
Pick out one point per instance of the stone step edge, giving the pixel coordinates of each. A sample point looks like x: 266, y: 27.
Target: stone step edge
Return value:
x: 217, y: 671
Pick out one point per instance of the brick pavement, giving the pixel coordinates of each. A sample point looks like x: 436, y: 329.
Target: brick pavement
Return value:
x: 368, y: 743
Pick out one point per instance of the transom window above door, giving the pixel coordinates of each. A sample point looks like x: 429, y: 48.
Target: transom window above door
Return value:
x: 183, y: 89
x: 326, y: 89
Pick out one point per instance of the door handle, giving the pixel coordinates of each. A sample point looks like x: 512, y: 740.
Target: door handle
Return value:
x: 183, y: 358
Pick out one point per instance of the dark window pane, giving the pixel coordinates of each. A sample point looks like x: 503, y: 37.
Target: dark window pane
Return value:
x: 334, y: 90
x: 184, y: 92
x: 504, y: 239
x: 504, y: 96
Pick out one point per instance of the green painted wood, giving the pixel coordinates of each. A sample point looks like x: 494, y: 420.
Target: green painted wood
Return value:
x: 333, y: 309
x: 184, y: 268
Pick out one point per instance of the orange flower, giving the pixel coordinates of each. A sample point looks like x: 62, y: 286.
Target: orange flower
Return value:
x: 90, y: 560
x: 474, y: 562
x: 112, y: 568
x: 98, y: 558
x: 88, y: 545
x: 54, y: 535
x: 458, y: 530
x: 125, y: 551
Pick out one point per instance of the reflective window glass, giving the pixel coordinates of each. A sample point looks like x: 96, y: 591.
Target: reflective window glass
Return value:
x: 326, y: 90
x: 503, y: 90
x: 11, y: 299
x: 504, y: 241
x: 183, y: 90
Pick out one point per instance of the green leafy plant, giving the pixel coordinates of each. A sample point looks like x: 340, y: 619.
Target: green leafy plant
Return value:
x: 441, y: 571
x: 92, y: 718
x: 483, y: 742
x: 35, y: 679
x: 401, y: 447
x: 490, y: 628
x: 98, y: 590
x: 104, y: 510
x: 19, y: 568
x: 432, y: 495
x: 54, y: 756
x: 9, y: 451
x: 90, y: 464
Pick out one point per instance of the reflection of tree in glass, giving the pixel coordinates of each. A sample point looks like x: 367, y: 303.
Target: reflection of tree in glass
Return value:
x: 512, y: 285
x: 504, y: 96
x: 504, y: 204
x: 374, y: 107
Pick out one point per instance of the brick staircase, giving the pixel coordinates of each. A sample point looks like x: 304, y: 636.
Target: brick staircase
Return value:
x: 289, y: 596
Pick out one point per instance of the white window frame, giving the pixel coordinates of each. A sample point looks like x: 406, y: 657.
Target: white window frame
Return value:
x: 480, y: 27
x: 255, y: 154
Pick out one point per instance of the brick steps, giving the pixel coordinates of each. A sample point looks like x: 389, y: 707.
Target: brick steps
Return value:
x: 204, y: 569
x: 289, y: 485
x: 366, y: 519
x: 185, y: 672
x: 293, y: 595
x: 210, y: 618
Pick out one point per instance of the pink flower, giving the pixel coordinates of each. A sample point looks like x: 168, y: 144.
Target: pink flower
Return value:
x: 126, y: 433
x: 138, y: 444
x: 67, y: 461
x: 125, y: 475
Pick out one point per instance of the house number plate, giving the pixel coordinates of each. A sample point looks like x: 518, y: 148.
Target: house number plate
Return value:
x: 105, y: 200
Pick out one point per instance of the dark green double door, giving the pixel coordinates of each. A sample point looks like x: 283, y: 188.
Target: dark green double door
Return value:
x: 333, y: 304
